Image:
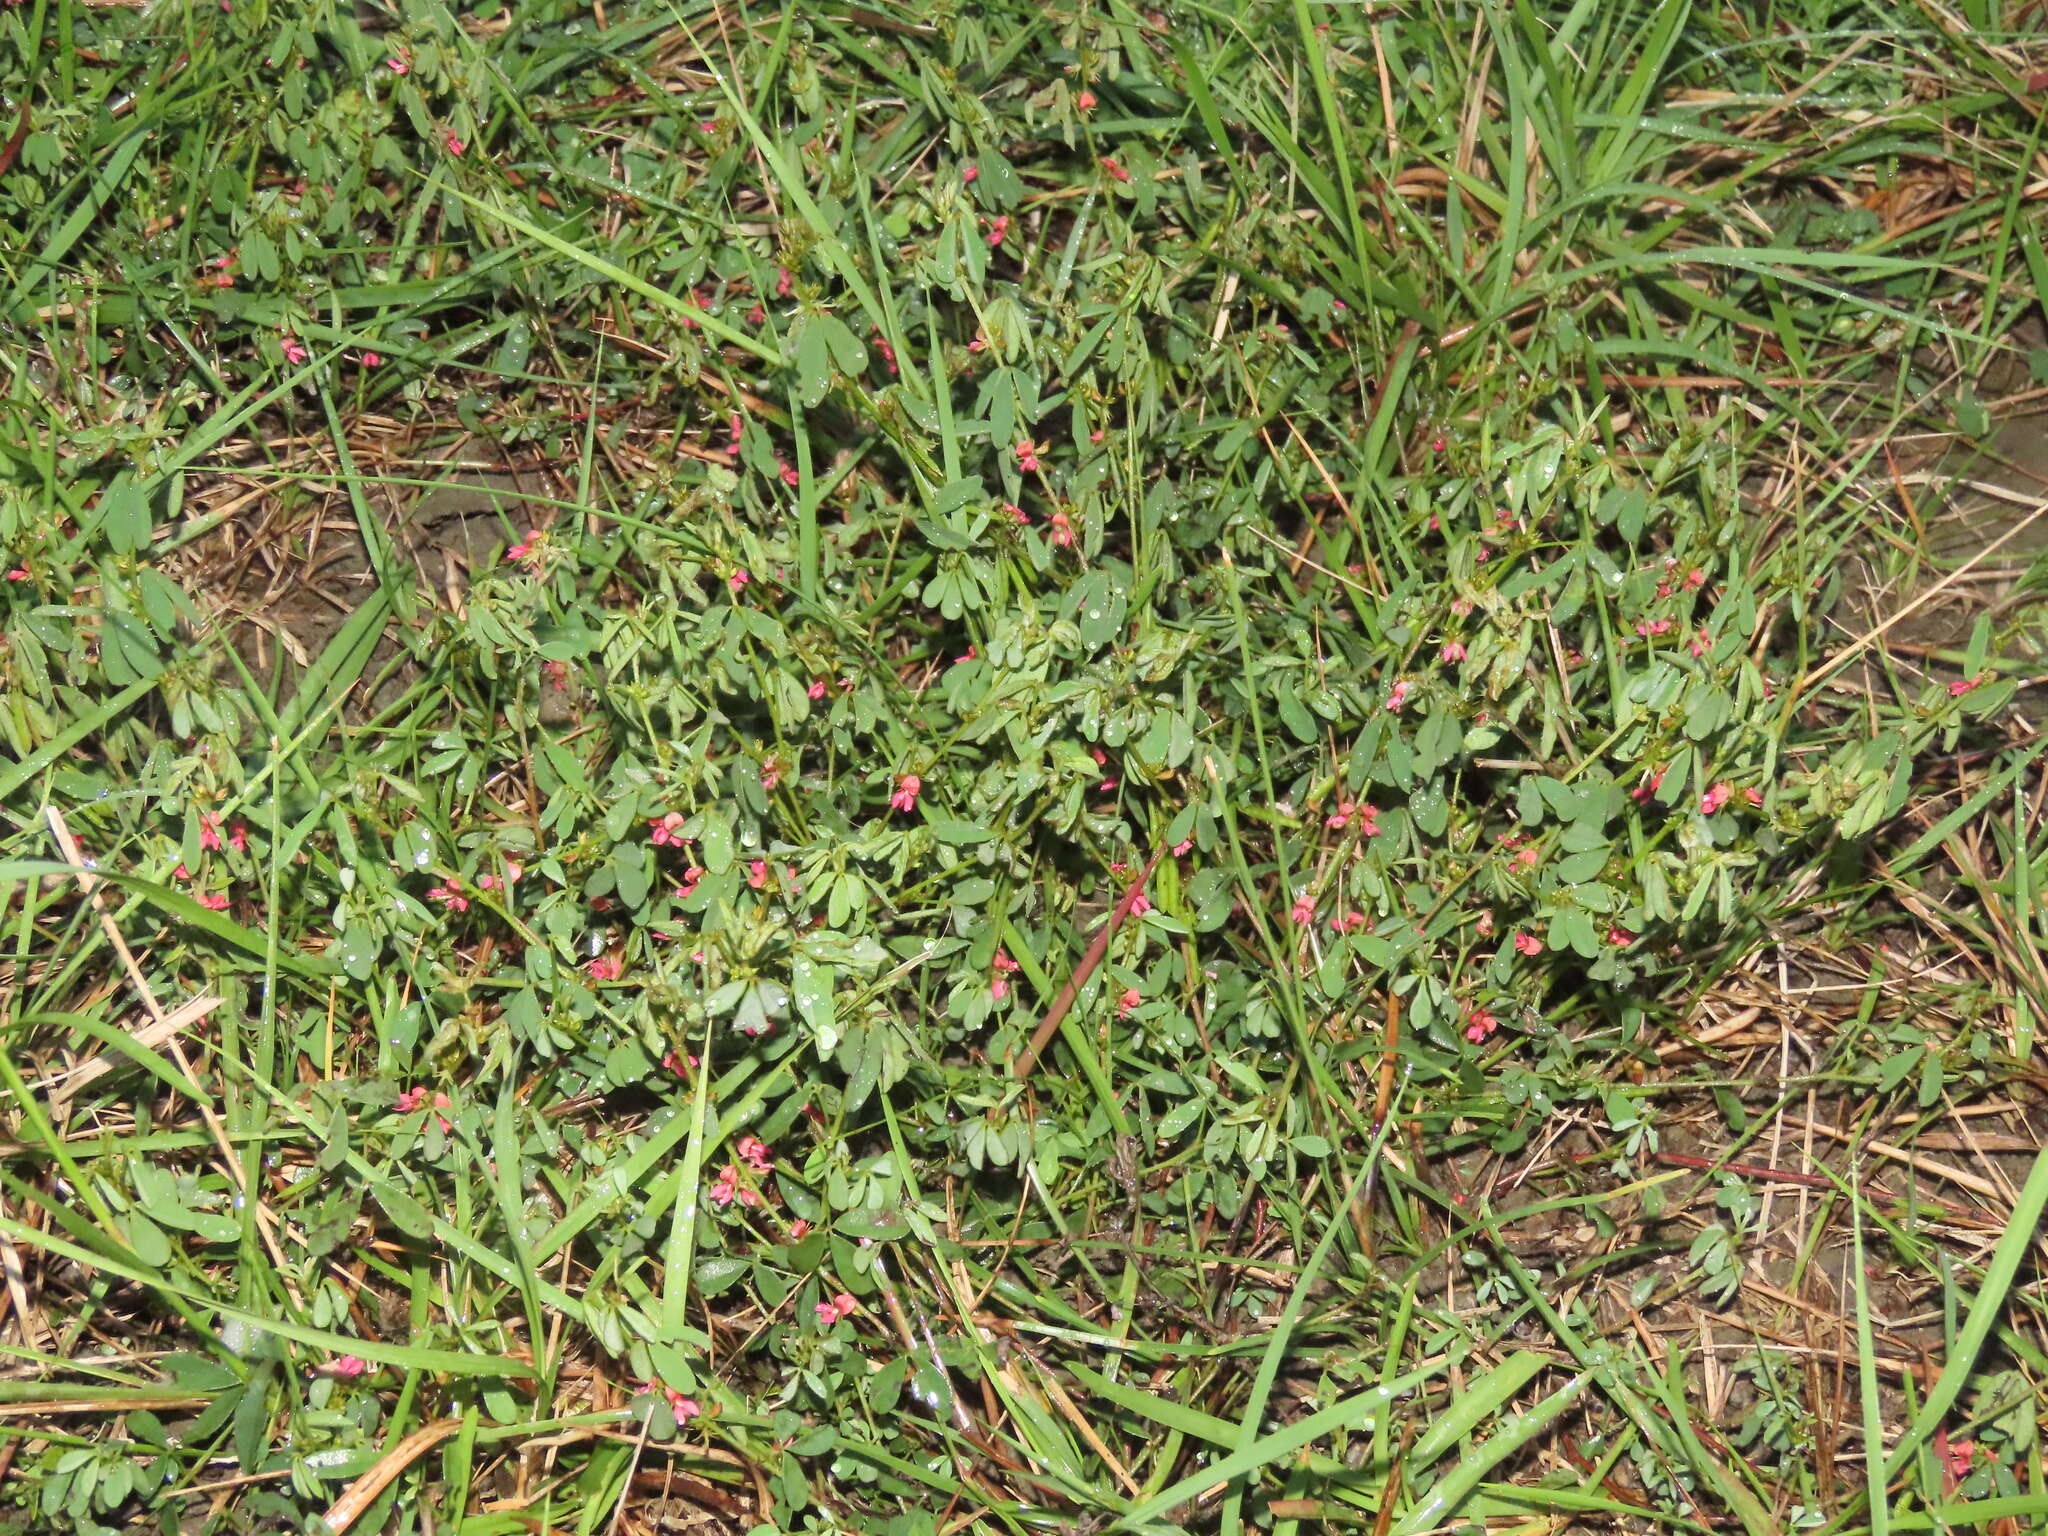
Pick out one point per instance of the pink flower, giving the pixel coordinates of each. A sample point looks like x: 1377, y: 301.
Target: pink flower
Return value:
x: 1620, y: 935
x: 789, y: 475
x: 1754, y: 796
x: 606, y: 968
x: 1368, y: 818
x: 1102, y: 761
x: 1963, y: 685
x: 1453, y: 651
x: 908, y: 788
x: 882, y: 346
x: 1398, y: 696
x: 757, y: 315
x: 1650, y: 786
x: 837, y: 1310
x: 969, y: 175
x: 1140, y: 904
x: 1017, y: 514
x: 1528, y: 858
x: 679, y: 1063
x: 1085, y: 102
x: 667, y: 831
x: 1131, y: 998
x: 19, y: 573
x: 1114, y: 169
x: 1180, y: 849
x: 512, y: 873
x: 1700, y: 644
x: 757, y: 874
x: 373, y: 359
x: 1715, y: 798
x: 727, y: 1187
x: 209, y: 832
x: 1027, y: 456
x: 1479, y: 1024
x: 1484, y: 927
x: 798, y: 1231
x: 689, y: 886
x: 738, y: 581
x: 1958, y: 1456
x: 527, y: 550
x: 1695, y: 578
x: 1438, y: 444
x: 754, y: 1152
x: 414, y: 1099
x: 449, y: 894
x: 784, y: 285
x: 1062, y: 530
x: 684, y: 1408
x: 293, y: 352
x: 398, y: 66
x: 771, y: 774
x: 997, y: 230
x: 1528, y: 944
x: 999, y: 982
x: 817, y: 688
x: 214, y: 903
x: 453, y: 145
x: 1654, y: 627
x: 1304, y: 910
x: 347, y: 1365
x: 1350, y: 922
x: 181, y: 873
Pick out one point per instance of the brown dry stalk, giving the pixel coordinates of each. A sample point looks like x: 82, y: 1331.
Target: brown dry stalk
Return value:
x: 360, y: 1494
x: 1064, y: 1002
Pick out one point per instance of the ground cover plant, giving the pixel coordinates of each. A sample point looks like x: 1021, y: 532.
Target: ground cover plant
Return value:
x: 897, y: 768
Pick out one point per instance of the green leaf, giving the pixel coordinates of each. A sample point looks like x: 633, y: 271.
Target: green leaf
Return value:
x: 715, y: 842
x: 1098, y: 608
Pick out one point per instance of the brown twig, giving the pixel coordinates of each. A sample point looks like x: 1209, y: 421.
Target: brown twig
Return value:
x: 1064, y: 1002
x: 13, y: 146
x: 360, y: 1494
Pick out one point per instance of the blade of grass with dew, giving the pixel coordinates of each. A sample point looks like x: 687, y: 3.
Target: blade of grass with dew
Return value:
x: 447, y: 1362
x: 1450, y: 1491
x: 1673, y: 1434
x: 506, y: 1156
x: 1260, y: 1396
x: 2023, y: 1231
x: 612, y: 272
x: 679, y: 1258
x: 1352, y: 1412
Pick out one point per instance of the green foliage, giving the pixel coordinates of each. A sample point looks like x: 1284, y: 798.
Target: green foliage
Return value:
x: 958, y: 456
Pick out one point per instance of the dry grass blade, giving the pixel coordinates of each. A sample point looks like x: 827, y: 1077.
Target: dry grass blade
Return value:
x: 362, y: 1493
